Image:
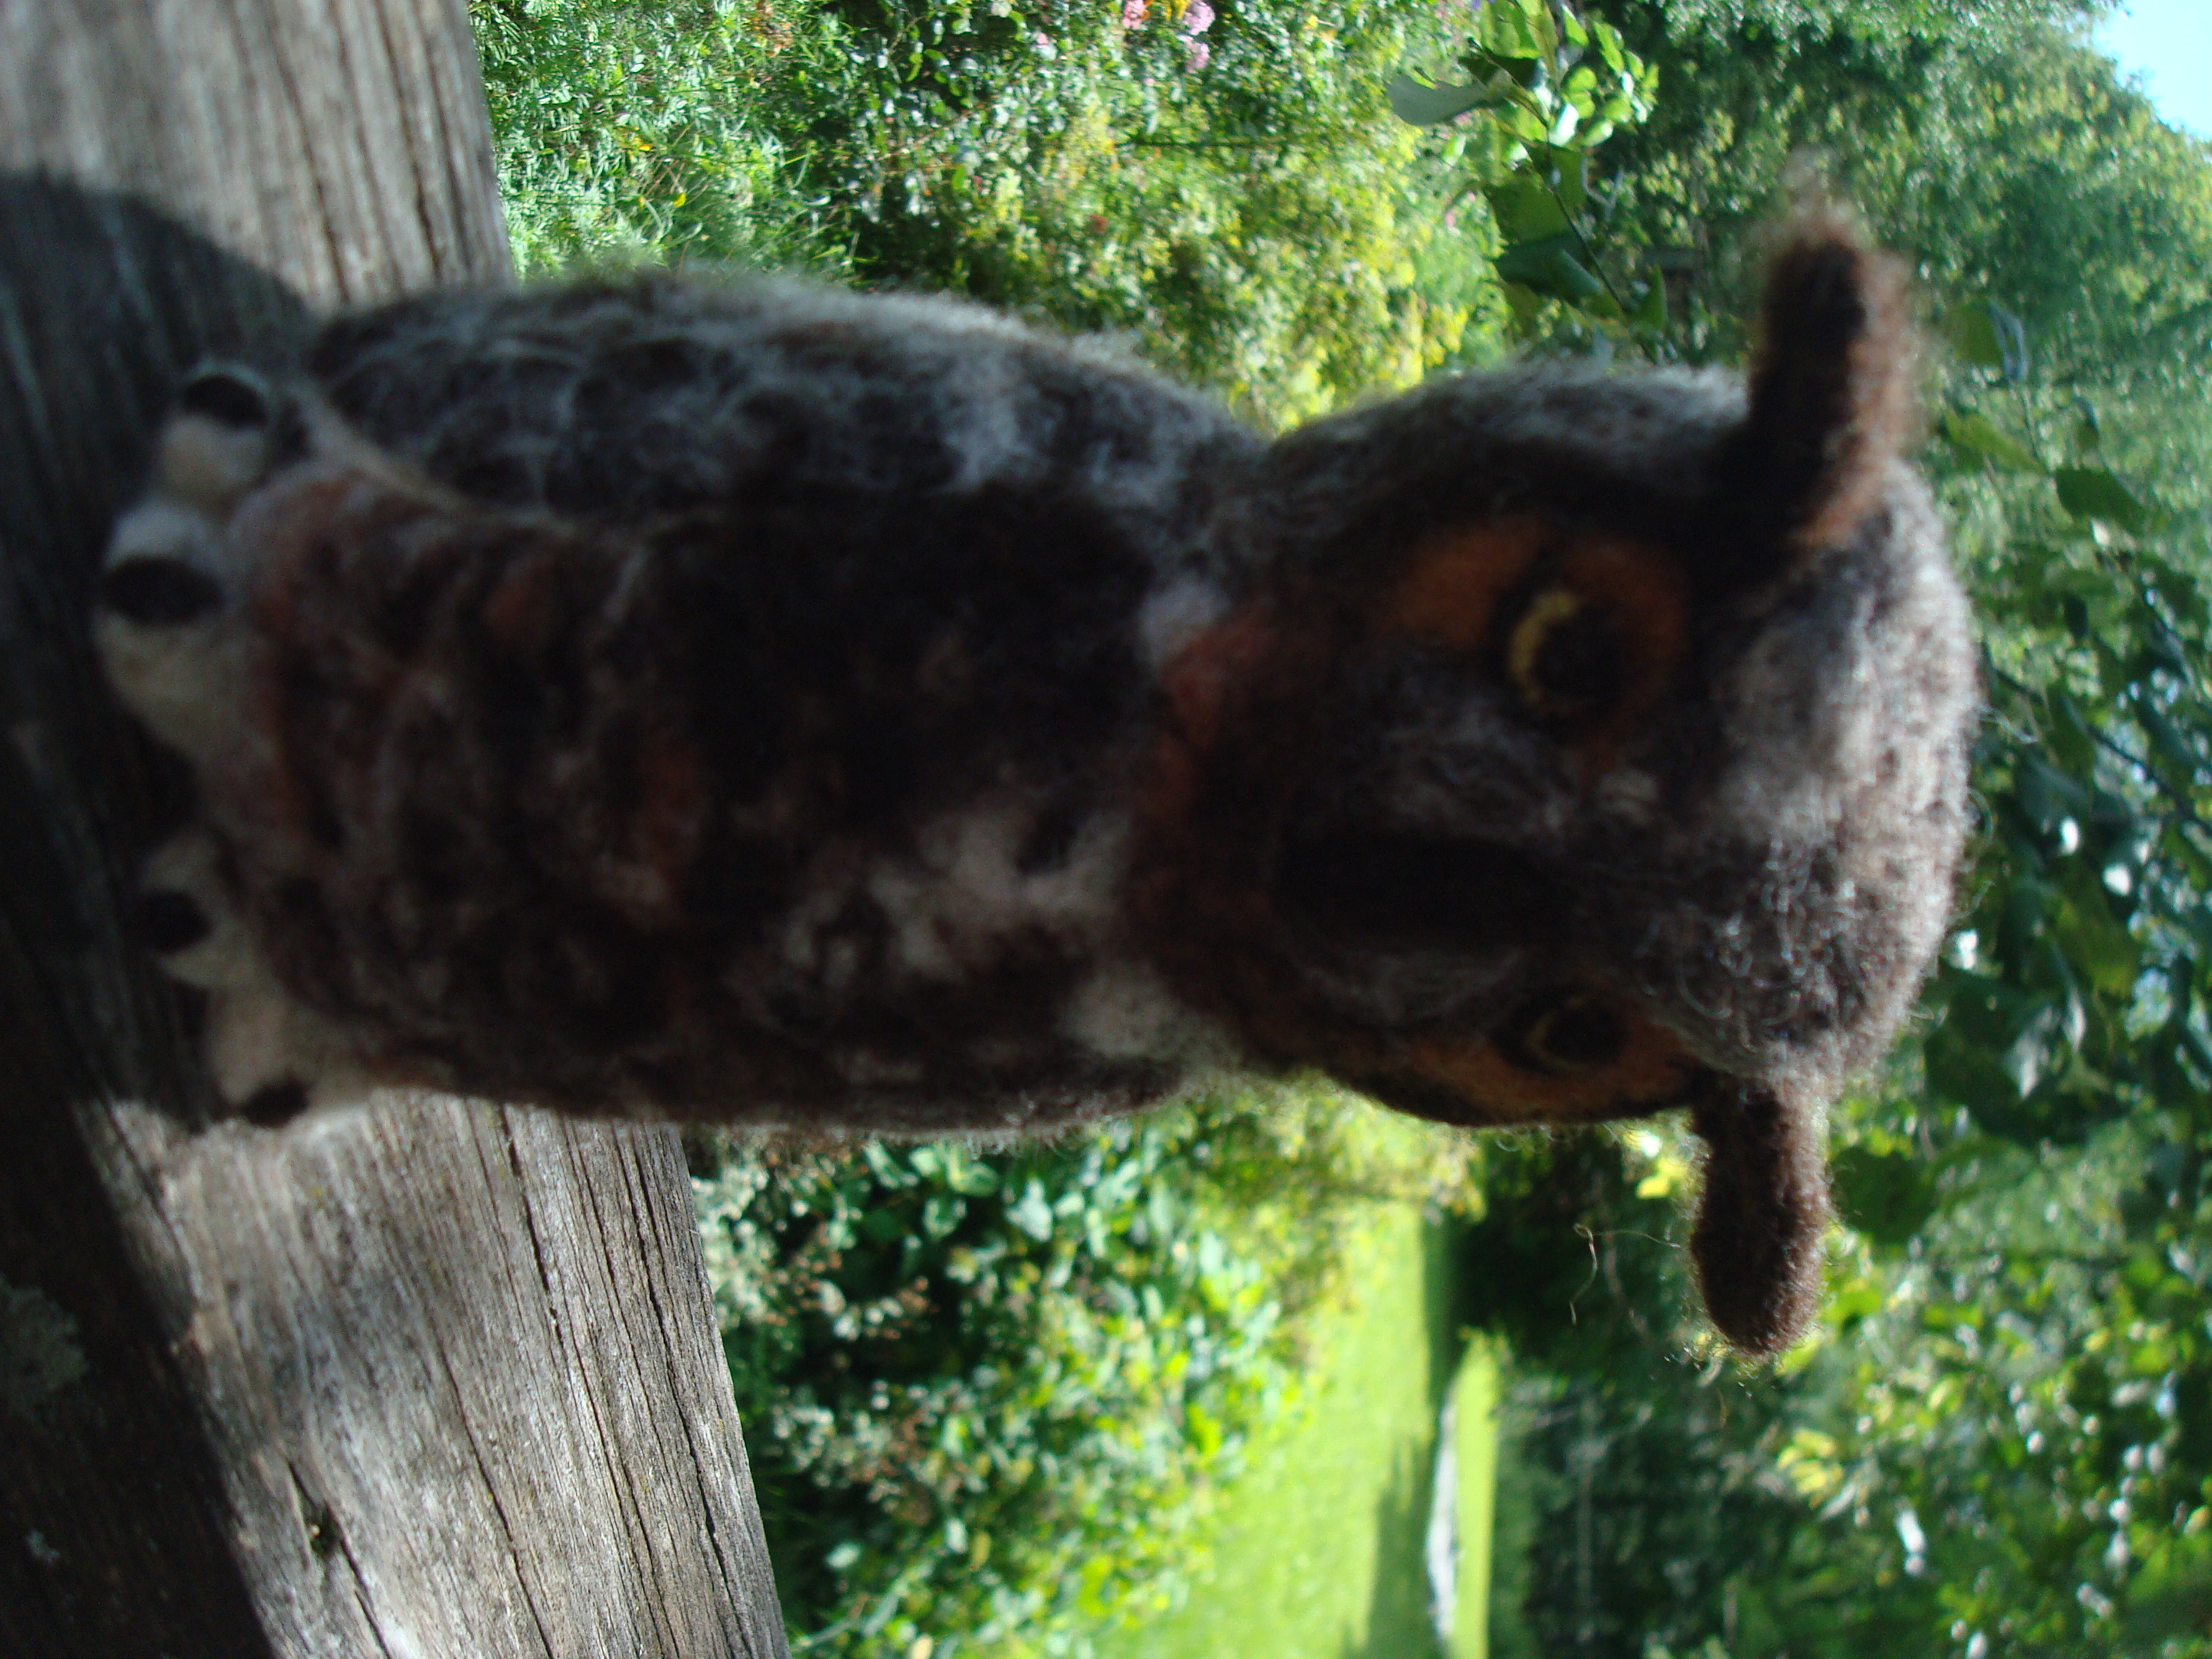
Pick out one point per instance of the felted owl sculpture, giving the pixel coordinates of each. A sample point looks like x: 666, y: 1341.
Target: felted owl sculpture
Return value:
x: 781, y: 706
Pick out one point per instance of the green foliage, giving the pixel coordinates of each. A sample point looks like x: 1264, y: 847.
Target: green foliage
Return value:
x: 2075, y: 994
x: 2009, y: 1435
x: 1986, y: 140
x: 1552, y: 86
x: 1647, y: 1514
x: 2025, y: 1382
x: 1231, y: 190
x: 1571, y: 1262
x: 987, y: 1393
x: 631, y: 130
x: 1892, y: 29
x: 2002, y: 1440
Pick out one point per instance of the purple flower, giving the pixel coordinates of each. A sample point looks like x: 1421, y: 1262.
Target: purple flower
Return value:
x: 1201, y: 55
x: 1132, y: 13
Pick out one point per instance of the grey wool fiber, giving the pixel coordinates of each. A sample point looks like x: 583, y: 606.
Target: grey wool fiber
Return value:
x: 863, y: 715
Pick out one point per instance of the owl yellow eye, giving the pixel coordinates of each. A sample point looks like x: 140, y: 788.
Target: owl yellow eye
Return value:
x: 1563, y: 657
x: 1563, y: 1035
x: 1587, y: 629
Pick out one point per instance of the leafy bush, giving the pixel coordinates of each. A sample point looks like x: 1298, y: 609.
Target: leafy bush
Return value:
x: 987, y: 1393
x: 1998, y: 1442
x: 1228, y: 186
x: 634, y: 130
x: 2003, y: 1426
x: 1552, y: 86
x: 1640, y: 1511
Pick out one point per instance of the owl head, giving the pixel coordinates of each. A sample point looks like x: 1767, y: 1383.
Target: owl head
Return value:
x: 1592, y: 745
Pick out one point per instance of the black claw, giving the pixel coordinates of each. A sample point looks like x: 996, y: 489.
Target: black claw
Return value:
x: 226, y: 396
x: 168, y: 922
x: 274, y: 1105
x: 158, y: 593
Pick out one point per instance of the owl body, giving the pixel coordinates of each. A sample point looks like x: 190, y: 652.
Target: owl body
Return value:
x: 720, y: 703
x: 784, y: 707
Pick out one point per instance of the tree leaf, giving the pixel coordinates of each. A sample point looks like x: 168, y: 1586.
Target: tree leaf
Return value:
x: 1565, y: 171
x: 2168, y: 739
x: 2047, y: 795
x: 1978, y: 435
x: 1033, y: 1212
x: 2091, y: 492
x: 1527, y: 211
x: 1887, y: 1196
x: 2089, y: 427
x: 1423, y: 105
x: 1549, y: 268
x: 1973, y: 336
x: 1608, y: 45
x: 2098, y: 946
x: 1986, y: 334
x: 1650, y: 316
x: 1516, y: 27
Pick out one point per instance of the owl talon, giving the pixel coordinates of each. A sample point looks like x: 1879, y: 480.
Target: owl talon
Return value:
x: 158, y: 593
x: 272, y: 1056
x: 168, y: 922
x: 186, y: 915
x: 173, y: 637
x: 168, y: 626
x: 229, y: 396
x: 274, y: 1105
x: 220, y: 441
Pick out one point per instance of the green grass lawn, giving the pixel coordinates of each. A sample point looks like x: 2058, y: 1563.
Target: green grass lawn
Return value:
x: 1475, y: 1439
x: 1317, y: 1549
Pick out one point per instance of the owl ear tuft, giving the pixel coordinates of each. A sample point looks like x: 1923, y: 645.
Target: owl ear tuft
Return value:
x: 1758, y: 1243
x: 1832, y: 385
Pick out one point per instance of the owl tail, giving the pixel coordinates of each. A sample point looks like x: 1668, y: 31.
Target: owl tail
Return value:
x: 1758, y: 1243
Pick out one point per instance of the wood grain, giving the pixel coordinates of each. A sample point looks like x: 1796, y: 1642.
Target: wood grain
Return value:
x: 432, y: 1379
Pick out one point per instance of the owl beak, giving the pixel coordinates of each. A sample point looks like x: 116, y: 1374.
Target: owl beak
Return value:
x: 1758, y: 1239
x: 1466, y: 896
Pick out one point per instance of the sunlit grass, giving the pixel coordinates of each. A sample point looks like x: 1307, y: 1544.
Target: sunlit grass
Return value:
x: 1317, y: 1548
x: 1474, y: 1393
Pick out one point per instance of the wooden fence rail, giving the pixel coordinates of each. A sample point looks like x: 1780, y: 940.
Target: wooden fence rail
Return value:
x: 431, y: 1382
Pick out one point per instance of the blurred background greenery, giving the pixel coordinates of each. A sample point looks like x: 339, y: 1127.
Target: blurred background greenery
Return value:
x: 1093, y: 1398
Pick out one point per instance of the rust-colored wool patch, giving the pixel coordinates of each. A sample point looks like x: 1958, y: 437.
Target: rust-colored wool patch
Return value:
x: 1455, y: 580
x: 1464, y: 589
x: 321, y: 686
x: 652, y: 848
x: 1652, y: 1071
x: 1198, y: 682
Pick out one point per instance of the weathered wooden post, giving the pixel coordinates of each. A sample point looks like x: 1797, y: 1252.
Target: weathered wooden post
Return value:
x: 437, y: 1381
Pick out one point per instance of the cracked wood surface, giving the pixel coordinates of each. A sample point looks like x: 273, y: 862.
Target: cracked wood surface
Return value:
x: 435, y: 1379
